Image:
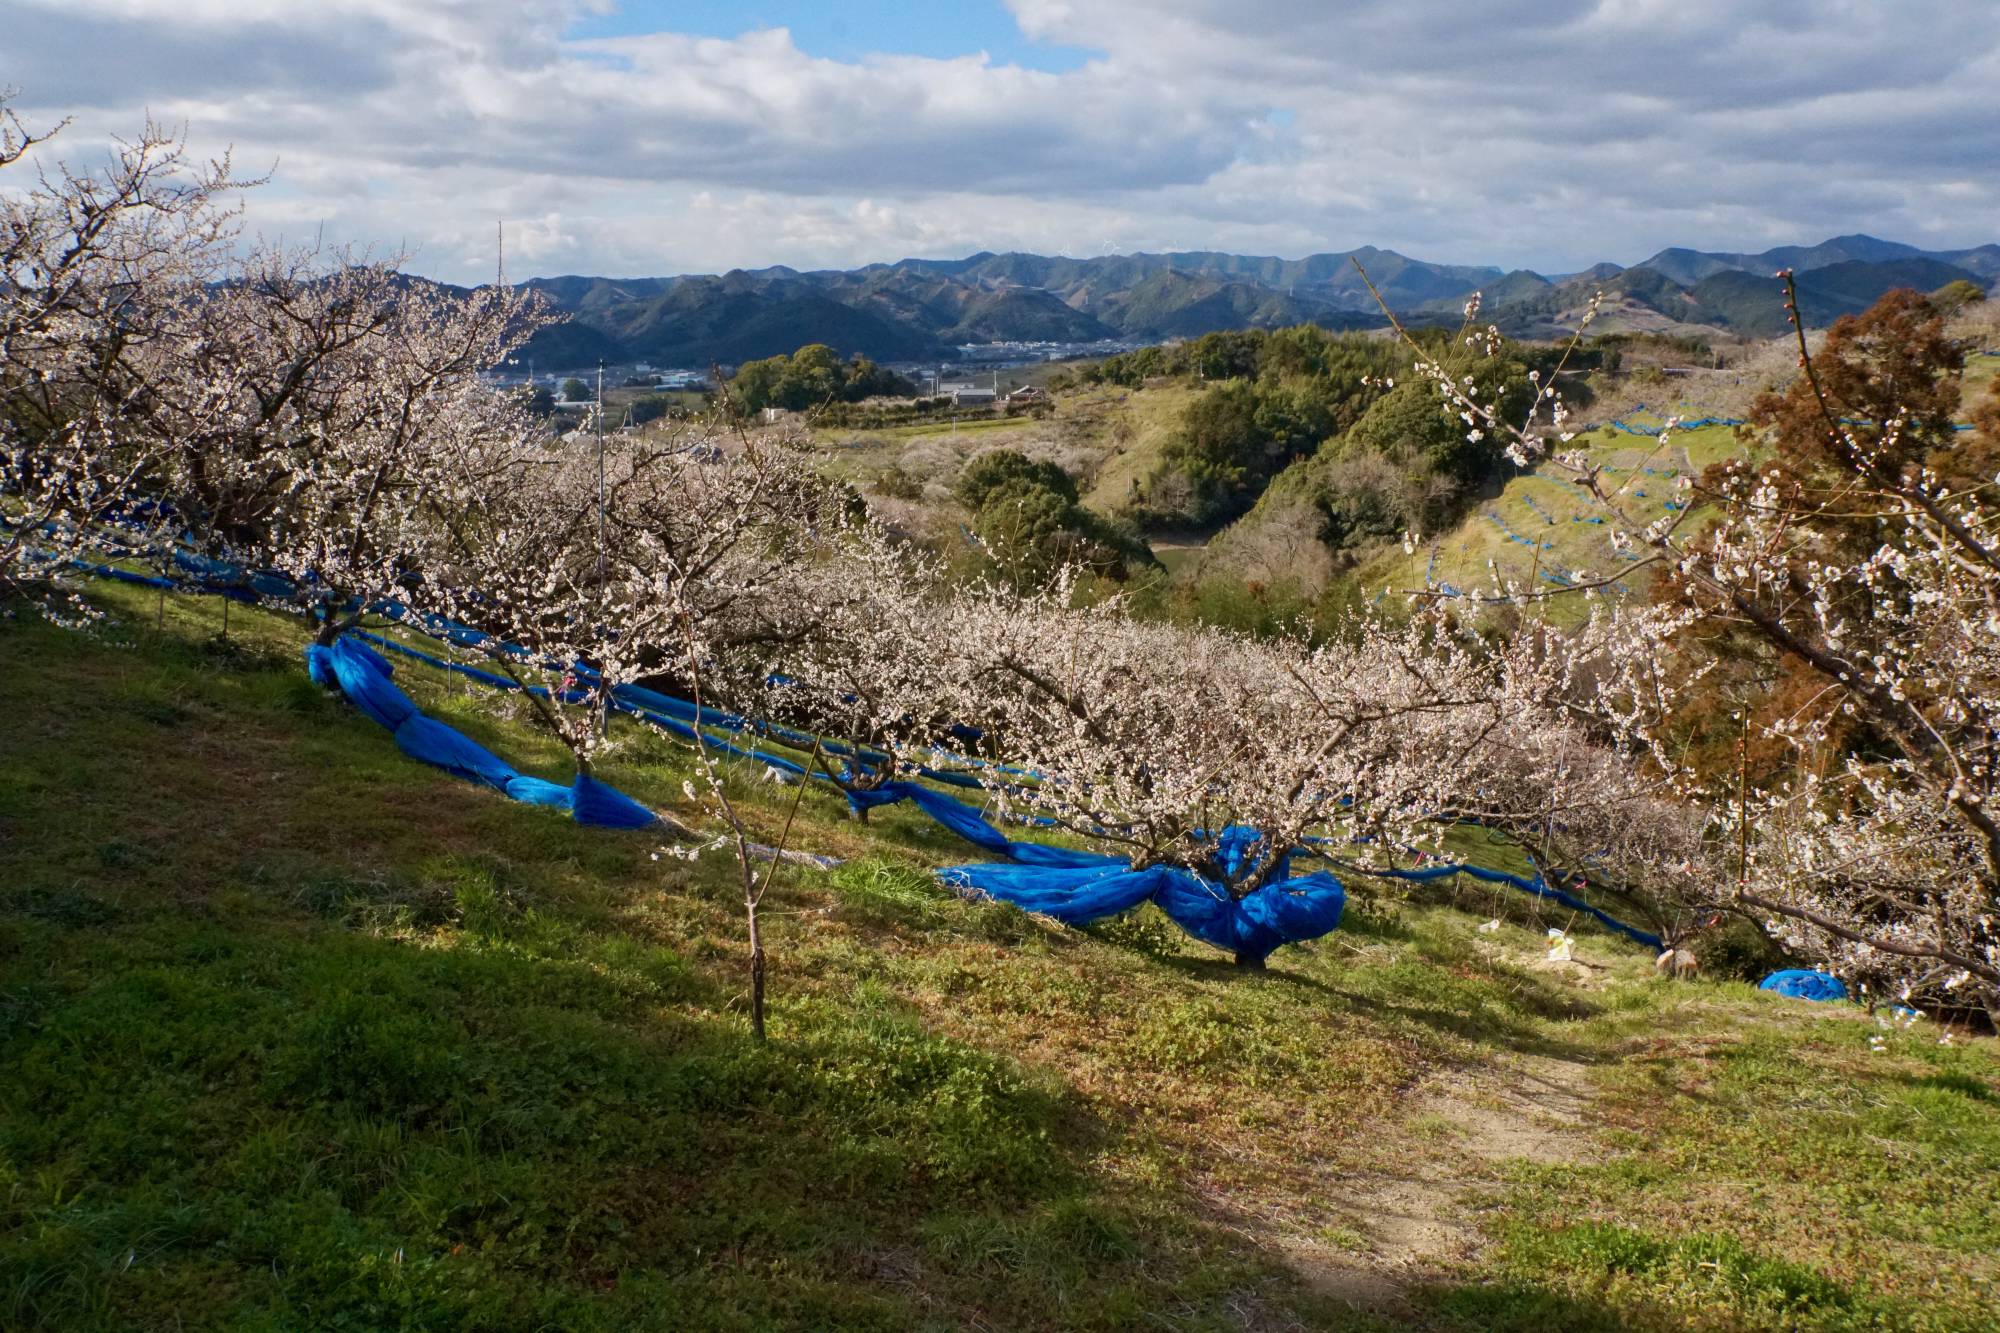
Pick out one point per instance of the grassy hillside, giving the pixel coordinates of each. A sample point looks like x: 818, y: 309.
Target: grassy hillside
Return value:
x: 1538, y: 529
x: 1137, y: 425
x: 1105, y: 437
x: 295, y: 1032
x: 1980, y: 370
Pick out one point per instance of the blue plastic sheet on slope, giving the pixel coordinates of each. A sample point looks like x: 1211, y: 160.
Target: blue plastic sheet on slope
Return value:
x: 235, y: 581
x: 677, y: 717
x: 364, y: 677
x: 1534, y: 886
x: 1079, y: 887
x: 124, y: 575
x: 660, y: 710
x: 674, y: 725
x: 1514, y: 536
x: 1804, y: 984
x: 491, y: 678
x: 591, y: 802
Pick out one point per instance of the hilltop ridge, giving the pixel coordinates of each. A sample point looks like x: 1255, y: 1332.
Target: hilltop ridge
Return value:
x: 918, y: 309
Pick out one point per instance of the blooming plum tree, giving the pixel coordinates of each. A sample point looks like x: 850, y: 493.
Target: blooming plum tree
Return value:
x: 1860, y: 563
x: 95, y: 268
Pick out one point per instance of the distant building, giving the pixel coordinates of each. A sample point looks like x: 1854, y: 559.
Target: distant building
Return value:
x: 968, y: 395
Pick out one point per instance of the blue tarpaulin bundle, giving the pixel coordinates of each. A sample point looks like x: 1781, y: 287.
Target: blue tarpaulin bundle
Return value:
x: 1804, y: 984
x: 1080, y: 887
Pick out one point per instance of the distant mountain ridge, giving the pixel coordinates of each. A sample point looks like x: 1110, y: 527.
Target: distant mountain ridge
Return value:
x: 920, y: 309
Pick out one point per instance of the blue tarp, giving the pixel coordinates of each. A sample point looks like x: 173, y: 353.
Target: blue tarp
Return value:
x: 1074, y: 887
x: 1534, y: 886
x: 364, y: 676
x: 1804, y: 984
x: 1654, y: 432
x: 1079, y: 887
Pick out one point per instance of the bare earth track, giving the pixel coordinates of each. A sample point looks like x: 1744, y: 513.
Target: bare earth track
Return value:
x: 1414, y: 1220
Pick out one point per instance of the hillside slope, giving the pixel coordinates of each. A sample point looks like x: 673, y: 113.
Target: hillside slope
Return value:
x: 1542, y: 531
x: 297, y: 1033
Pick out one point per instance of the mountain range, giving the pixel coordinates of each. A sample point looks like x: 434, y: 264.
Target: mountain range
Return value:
x: 921, y: 309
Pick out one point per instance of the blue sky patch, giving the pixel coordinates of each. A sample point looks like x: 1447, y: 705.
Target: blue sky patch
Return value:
x: 848, y: 31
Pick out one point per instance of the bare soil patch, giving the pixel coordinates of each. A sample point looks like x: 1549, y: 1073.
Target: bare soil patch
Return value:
x: 1412, y: 1217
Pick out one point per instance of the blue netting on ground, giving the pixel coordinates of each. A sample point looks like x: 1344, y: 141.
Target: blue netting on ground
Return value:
x: 1533, y: 886
x: 1079, y: 887
x: 591, y: 802
x: 970, y: 825
x: 364, y: 677
x: 1514, y: 536
x: 1804, y: 984
x: 1654, y: 432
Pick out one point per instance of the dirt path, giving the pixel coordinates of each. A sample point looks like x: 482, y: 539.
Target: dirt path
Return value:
x: 1414, y: 1215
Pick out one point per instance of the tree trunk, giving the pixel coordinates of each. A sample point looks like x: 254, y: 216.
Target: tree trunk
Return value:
x: 756, y: 974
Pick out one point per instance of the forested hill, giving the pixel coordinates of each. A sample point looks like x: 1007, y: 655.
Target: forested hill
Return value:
x: 918, y: 309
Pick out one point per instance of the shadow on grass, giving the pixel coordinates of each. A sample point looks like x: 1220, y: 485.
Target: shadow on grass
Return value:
x: 1521, y: 1307
x: 1963, y: 1084
x: 328, y: 1125
x: 1489, y: 1021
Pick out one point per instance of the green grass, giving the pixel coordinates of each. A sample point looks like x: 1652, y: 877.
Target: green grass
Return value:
x: 865, y: 456
x: 295, y: 1032
x: 1139, y: 423
x: 1767, y: 1168
x: 1980, y: 372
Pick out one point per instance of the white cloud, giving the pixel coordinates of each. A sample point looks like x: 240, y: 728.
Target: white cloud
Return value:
x: 1549, y: 133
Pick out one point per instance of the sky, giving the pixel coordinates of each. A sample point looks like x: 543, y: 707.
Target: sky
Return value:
x: 657, y: 137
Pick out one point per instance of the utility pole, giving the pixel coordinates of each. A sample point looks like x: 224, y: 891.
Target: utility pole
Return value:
x: 600, y: 475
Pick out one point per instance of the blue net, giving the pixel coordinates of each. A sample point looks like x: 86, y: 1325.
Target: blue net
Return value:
x: 1536, y: 887
x: 591, y: 802
x: 969, y: 824
x: 1804, y: 984
x: 364, y: 677
x: 1653, y: 432
x: 1076, y: 887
